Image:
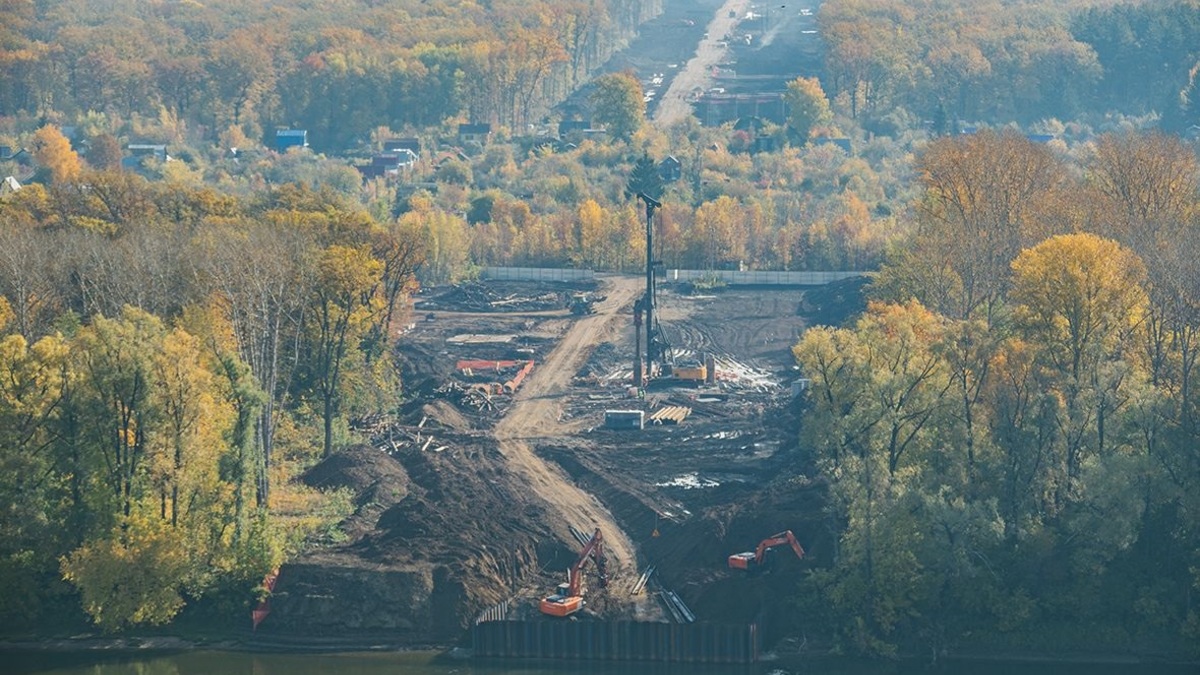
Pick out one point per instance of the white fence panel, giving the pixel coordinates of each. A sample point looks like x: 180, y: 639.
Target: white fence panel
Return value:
x: 537, y: 274
x: 761, y: 277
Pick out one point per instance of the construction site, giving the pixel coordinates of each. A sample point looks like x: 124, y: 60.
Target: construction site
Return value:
x: 597, y: 467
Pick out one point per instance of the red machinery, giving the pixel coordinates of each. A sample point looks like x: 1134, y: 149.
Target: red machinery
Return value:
x: 568, y: 599
x: 752, y: 560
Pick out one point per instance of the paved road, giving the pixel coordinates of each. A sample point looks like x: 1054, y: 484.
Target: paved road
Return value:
x: 673, y: 106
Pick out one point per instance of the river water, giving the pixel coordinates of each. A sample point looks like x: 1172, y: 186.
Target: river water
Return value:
x: 240, y: 663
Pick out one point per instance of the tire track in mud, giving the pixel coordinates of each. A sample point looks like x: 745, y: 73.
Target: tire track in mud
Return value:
x: 535, y: 414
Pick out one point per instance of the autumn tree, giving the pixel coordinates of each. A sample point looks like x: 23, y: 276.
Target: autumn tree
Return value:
x: 617, y: 104
x: 877, y: 393
x: 345, y: 304
x: 808, y: 109
x: 1082, y: 297
x: 52, y: 151
x: 987, y: 196
x: 1144, y: 182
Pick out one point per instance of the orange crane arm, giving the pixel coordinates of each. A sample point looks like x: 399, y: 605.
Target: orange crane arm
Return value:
x: 785, y: 537
x: 594, y: 546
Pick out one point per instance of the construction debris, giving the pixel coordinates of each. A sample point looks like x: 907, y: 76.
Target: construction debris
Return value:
x: 481, y: 297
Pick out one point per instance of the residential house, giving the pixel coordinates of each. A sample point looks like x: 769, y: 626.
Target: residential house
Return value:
x: 670, y: 169
x: 286, y: 139
x: 412, y: 145
x: 474, y: 133
x: 8, y: 186
x: 140, y: 153
x: 453, y: 154
x: 389, y: 164
x: 570, y: 127
x: 843, y: 143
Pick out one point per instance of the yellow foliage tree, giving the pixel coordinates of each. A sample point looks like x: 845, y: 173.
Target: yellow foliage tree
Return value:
x: 52, y: 150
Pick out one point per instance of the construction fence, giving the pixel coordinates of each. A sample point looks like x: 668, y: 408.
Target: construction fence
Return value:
x: 537, y: 274
x: 618, y: 641
x: 759, y: 277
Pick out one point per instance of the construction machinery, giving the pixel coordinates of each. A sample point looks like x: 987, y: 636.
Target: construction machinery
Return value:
x: 753, y: 560
x: 584, y: 303
x: 568, y: 598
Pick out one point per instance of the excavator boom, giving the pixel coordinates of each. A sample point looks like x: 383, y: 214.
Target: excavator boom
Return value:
x: 569, y: 600
x: 753, y: 559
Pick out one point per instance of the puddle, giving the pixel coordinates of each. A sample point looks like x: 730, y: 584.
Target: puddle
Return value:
x: 689, y: 481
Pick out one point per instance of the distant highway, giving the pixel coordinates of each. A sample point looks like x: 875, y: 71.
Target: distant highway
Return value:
x: 673, y: 106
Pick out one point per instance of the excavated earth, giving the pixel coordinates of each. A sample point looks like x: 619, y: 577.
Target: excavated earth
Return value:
x: 465, y: 500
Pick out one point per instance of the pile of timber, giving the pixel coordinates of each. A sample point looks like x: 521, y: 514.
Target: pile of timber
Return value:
x: 673, y: 414
x: 477, y: 396
x: 396, y: 438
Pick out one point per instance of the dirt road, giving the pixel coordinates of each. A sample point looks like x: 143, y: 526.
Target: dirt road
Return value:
x: 673, y: 105
x: 535, y: 414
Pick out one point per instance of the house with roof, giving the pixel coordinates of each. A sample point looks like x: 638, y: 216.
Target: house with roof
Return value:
x: 410, y: 144
x: 389, y: 164
x: 285, y: 139
x: 140, y: 153
x: 843, y: 143
x: 569, y: 127
x: 479, y: 133
x: 8, y: 186
x: 670, y: 169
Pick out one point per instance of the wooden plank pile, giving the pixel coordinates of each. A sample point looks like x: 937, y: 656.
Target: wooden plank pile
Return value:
x: 672, y: 414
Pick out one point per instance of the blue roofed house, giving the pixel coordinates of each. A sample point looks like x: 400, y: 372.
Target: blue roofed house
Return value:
x: 290, y: 138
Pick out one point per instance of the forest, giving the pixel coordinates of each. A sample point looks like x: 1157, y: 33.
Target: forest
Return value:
x: 1008, y: 433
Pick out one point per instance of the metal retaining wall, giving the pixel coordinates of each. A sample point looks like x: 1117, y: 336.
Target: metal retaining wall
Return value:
x: 761, y: 277
x: 537, y: 274
x: 618, y: 641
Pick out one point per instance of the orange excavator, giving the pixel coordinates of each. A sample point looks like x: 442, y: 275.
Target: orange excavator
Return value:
x: 568, y: 598
x: 753, y: 560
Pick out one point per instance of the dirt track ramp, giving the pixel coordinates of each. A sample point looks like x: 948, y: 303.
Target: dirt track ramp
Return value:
x: 535, y: 414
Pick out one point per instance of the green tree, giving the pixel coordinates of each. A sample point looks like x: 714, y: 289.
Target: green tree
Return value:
x: 617, y: 103
x: 644, y: 179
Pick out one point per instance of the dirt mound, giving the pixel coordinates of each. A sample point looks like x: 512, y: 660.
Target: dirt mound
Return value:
x: 835, y: 303
x: 516, y: 296
x: 370, y: 473
x: 442, y: 412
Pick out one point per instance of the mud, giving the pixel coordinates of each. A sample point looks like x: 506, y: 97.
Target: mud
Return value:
x: 459, y: 508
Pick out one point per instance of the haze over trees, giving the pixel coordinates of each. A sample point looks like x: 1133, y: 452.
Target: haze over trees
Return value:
x: 1008, y: 433
x: 339, y: 72
x: 1009, y: 429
